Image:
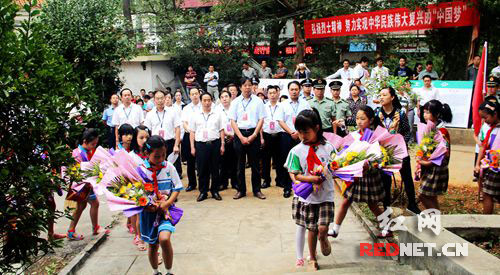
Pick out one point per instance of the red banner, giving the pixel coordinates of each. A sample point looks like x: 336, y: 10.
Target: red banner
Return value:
x: 266, y: 50
x: 443, y: 15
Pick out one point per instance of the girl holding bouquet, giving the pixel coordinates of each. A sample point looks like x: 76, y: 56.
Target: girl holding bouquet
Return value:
x: 155, y: 228
x: 490, y: 112
x: 141, y: 134
x: 84, y: 153
x: 125, y: 136
x: 316, y: 212
x: 369, y: 188
x: 434, y: 178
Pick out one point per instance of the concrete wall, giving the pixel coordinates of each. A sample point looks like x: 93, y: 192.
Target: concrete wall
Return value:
x: 154, y: 75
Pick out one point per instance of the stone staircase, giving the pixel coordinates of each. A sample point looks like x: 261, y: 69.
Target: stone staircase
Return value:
x: 379, y: 267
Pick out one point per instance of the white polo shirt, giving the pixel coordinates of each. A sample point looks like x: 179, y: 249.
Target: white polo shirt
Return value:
x: 189, y: 111
x: 343, y: 74
x: 290, y: 110
x: 271, y: 125
x: 206, y: 126
x: 163, y: 123
x: 427, y: 95
x: 132, y: 115
x: 247, y: 112
x: 226, y: 122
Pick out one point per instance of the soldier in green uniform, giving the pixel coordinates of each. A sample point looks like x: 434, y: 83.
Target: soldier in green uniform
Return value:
x: 492, y: 85
x: 342, y: 110
x: 324, y: 105
x: 306, y: 85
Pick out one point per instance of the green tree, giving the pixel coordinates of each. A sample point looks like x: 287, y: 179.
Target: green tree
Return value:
x: 37, y: 92
x: 92, y: 36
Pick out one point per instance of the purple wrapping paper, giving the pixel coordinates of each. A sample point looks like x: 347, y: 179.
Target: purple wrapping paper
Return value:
x: 367, y: 135
x: 302, y: 189
x: 175, y: 214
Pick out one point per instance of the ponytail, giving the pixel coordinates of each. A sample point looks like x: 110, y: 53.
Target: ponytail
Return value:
x: 491, y: 108
x: 438, y: 110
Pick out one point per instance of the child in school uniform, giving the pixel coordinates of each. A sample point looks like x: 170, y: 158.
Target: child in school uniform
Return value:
x: 125, y: 137
x: 84, y: 153
x: 167, y: 185
x: 138, y: 153
x: 316, y: 212
x: 369, y: 188
x: 490, y: 112
x: 434, y: 178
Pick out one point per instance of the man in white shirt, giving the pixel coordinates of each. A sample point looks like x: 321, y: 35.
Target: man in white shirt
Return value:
x: 496, y: 71
x: 345, y: 73
x: 247, y: 116
x: 264, y: 71
x: 248, y: 71
x: 428, y: 71
x: 207, y: 145
x: 286, y: 119
x: 164, y: 122
x: 271, y: 134
x: 427, y: 94
x: 361, y: 70
x: 187, y: 113
x: 380, y: 72
x: 128, y: 112
x: 212, y: 80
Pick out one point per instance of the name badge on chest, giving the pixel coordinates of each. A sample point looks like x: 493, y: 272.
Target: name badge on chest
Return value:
x: 244, y: 117
x: 293, y: 120
x: 205, y: 134
x: 161, y: 133
x: 271, y: 125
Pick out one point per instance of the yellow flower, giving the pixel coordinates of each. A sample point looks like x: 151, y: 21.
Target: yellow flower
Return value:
x: 345, y: 164
x: 133, y: 199
x: 126, y: 197
x: 137, y: 184
x: 100, y: 175
x: 73, y: 168
x: 129, y: 185
x: 123, y: 189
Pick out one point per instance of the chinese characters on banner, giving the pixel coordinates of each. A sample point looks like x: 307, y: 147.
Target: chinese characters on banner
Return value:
x: 443, y: 15
x: 265, y: 50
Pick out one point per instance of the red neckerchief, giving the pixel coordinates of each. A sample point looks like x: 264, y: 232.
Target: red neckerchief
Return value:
x: 155, y: 179
x: 90, y: 154
x: 312, y: 158
x: 361, y: 133
x: 486, y: 142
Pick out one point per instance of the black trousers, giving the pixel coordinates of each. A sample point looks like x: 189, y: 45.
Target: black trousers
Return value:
x: 190, y: 159
x: 286, y: 144
x: 250, y: 151
x: 207, y: 164
x: 111, y: 137
x: 170, y: 148
x: 273, y: 151
x: 407, y: 179
x: 229, y: 166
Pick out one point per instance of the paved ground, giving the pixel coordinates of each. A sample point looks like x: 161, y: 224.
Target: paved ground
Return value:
x: 227, y: 237
x: 235, y: 237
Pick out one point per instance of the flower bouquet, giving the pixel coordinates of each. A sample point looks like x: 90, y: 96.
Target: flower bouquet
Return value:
x: 349, y: 164
x: 431, y: 145
x: 304, y: 189
x: 393, y: 149
x: 78, y: 190
x: 337, y: 141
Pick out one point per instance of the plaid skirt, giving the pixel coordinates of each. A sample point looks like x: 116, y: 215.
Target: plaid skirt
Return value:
x: 491, y: 183
x: 434, y: 180
x: 311, y: 216
x: 369, y: 188
x: 297, y: 214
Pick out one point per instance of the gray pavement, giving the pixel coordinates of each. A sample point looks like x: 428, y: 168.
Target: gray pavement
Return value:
x: 246, y: 236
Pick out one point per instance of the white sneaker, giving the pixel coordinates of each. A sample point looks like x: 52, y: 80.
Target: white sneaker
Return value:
x: 332, y: 233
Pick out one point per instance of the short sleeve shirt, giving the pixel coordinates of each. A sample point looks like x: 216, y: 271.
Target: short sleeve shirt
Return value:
x: 342, y: 110
x: 282, y: 71
x: 226, y: 122
x: 290, y: 110
x: 249, y: 73
x: 326, y: 110
x: 247, y: 112
x: 189, y: 111
x: 163, y: 123
x: 296, y: 163
x: 190, y: 75
x: 271, y: 125
x: 168, y: 179
x: 265, y: 73
x: 206, y: 126
x: 108, y: 116
x: 432, y: 74
x: 132, y: 115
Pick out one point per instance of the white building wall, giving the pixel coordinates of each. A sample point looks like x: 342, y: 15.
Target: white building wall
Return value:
x: 155, y: 75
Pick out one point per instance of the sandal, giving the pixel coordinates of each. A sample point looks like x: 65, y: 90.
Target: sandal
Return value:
x: 72, y: 236
x: 97, y: 229
x: 312, y: 266
x: 57, y: 236
x: 141, y: 246
x: 299, y: 263
x: 136, y: 240
x: 130, y: 228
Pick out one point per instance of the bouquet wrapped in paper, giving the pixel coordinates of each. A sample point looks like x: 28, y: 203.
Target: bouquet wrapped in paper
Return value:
x: 393, y: 149
x: 349, y: 163
x: 490, y: 161
x: 304, y: 189
x: 431, y: 145
x: 337, y: 141
x: 95, y: 169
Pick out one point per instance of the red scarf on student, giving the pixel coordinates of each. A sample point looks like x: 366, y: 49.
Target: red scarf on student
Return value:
x: 155, y: 179
x: 486, y: 141
x: 312, y: 158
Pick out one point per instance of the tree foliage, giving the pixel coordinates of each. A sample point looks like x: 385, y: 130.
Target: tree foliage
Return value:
x: 37, y: 92
x: 92, y: 36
